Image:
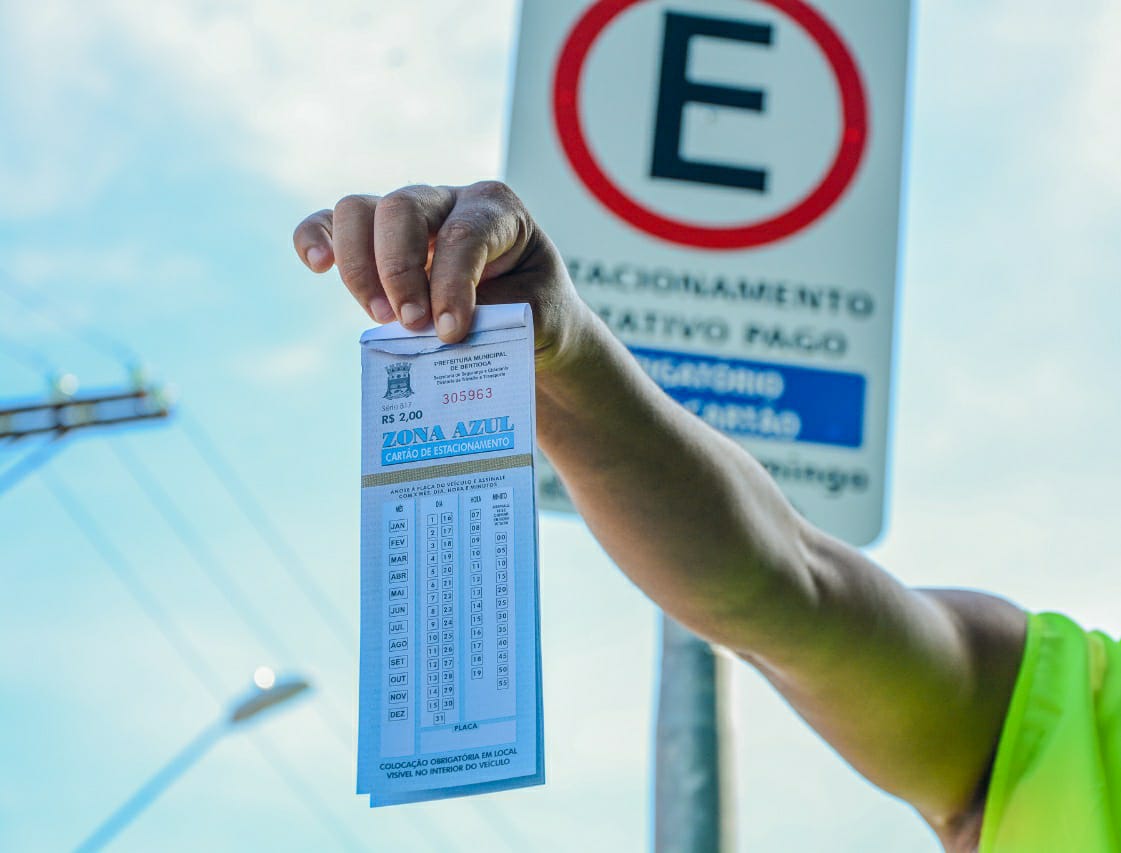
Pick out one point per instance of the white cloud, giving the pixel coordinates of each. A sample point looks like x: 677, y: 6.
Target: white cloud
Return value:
x: 322, y: 99
x: 39, y: 283
x: 1004, y: 465
x: 49, y: 94
x: 1096, y: 111
x: 338, y: 96
x: 122, y: 265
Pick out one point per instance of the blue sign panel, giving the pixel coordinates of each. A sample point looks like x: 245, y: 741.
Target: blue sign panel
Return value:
x: 762, y: 400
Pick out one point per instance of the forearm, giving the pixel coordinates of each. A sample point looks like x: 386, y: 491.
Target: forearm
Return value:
x: 702, y: 529
x: 688, y: 515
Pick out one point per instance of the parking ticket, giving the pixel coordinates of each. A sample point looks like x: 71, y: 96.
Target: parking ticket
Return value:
x: 450, y: 669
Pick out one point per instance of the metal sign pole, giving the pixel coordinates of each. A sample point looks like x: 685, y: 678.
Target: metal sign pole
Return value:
x: 691, y: 766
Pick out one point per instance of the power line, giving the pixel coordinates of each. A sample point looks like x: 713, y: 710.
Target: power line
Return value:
x: 238, y: 599
x: 220, y: 577
x: 48, y: 308
x: 29, y: 463
x: 26, y: 356
x: 129, y: 578
x: 285, y: 554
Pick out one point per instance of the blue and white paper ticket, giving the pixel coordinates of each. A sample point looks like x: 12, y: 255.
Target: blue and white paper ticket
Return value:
x: 450, y: 672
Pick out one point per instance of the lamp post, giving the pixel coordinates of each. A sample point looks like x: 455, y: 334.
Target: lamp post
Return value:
x: 267, y: 693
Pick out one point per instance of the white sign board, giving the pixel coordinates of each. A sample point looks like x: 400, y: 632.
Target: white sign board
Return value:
x: 723, y: 180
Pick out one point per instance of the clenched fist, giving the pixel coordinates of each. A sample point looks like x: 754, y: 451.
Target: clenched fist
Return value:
x: 428, y: 254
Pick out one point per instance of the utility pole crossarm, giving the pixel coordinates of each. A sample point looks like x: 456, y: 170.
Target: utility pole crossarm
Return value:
x: 68, y: 414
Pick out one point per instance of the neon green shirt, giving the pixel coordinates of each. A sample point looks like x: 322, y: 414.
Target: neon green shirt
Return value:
x: 1056, y: 783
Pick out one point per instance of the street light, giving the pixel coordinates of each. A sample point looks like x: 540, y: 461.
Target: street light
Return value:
x: 258, y: 700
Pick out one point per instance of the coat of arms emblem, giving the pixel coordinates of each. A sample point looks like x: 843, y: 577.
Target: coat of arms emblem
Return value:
x: 399, y: 384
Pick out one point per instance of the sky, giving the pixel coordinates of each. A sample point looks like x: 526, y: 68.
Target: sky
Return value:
x: 154, y: 159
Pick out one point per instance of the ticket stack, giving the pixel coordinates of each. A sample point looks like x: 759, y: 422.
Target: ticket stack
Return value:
x: 450, y: 665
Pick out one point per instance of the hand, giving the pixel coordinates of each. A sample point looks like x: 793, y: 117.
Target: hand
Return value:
x: 427, y: 254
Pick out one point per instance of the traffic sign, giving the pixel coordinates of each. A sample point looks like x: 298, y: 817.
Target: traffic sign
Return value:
x: 723, y: 180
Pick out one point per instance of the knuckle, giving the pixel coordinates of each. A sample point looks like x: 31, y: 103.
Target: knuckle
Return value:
x: 312, y: 227
x: 402, y: 202
x: 495, y: 191
x: 351, y: 205
x: 462, y: 231
x: 395, y: 270
x: 417, y: 192
x: 355, y: 272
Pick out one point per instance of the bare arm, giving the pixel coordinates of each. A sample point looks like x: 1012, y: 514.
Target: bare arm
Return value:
x: 909, y: 686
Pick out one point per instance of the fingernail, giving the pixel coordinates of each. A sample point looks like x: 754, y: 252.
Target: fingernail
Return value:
x: 316, y: 256
x: 411, y: 313
x: 446, y: 324
x: 381, y: 309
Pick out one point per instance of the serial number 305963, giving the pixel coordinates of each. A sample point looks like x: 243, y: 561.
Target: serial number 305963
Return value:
x: 468, y: 394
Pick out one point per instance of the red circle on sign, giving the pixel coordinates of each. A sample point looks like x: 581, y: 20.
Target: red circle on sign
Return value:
x: 850, y: 152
